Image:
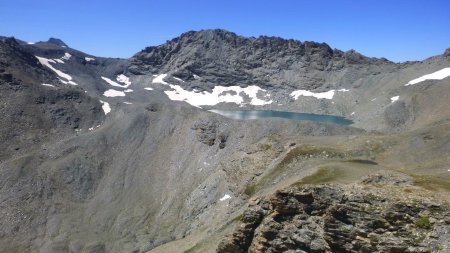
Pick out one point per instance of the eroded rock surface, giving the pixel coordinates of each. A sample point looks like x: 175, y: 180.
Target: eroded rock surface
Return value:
x: 331, y: 218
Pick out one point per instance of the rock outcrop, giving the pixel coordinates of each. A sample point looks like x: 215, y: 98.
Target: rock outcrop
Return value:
x: 332, y: 218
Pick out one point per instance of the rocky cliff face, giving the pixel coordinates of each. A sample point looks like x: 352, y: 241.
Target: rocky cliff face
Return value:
x: 357, y: 218
x: 223, y: 58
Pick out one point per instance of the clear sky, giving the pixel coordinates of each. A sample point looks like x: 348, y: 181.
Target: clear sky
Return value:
x: 399, y: 30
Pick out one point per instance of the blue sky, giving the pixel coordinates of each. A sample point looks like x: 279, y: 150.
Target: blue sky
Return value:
x: 397, y: 29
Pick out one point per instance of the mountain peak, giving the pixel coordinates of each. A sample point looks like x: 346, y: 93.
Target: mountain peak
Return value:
x: 57, y: 42
x: 447, y: 52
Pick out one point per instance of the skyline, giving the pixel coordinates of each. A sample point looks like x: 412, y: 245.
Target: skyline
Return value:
x: 399, y: 31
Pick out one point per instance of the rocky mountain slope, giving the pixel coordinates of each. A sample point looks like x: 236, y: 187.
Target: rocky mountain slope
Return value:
x: 121, y: 155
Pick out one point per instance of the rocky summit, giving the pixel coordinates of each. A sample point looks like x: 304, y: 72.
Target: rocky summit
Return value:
x: 166, y: 151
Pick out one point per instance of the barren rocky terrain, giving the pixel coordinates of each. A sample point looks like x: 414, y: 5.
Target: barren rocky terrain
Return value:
x: 123, y: 155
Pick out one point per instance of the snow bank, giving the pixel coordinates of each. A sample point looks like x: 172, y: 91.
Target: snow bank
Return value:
x: 306, y: 93
x: 319, y: 95
x: 66, y: 56
x: 123, y: 79
x: 105, y: 106
x: 120, y: 78
x: 220, y: 94
x: 438, y: 75
x: 46, y: 62
x: 160, y: 79
x: 114, y: 93
x: 111, y: 82
x: 231, y: 94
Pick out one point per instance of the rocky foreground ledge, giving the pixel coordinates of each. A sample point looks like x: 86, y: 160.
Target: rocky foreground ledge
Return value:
x: 380, y: 214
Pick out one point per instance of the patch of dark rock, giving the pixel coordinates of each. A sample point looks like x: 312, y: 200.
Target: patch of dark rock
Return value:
x: 152, y: 107
x: 206, y: 131
x: 397, y: 114
x: 368, y: 162
x: 82, y: 177
x: 222, y: 140
x: 392, y: 179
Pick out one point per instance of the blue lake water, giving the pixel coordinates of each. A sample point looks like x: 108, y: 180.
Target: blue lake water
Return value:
x: 246, y: 115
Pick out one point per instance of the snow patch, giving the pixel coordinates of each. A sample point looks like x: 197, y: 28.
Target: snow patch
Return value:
x: 49, y: 85
x: 393, y: 99
x: 111, y: 82
x: 218, y: 95
x: 123, y: 79
x: 306, y: 93
x: 120, y: 78
x: 148, y: 88
x: 128, y: 103
x: 66, y: 56
x: 67, y: 82
x: 88, y: 59
x: 105, y: 106
x: 196, y: 77
x: 31, y: 43
x: 160, y: 79
x: 114, y: 93
x: 59, y: 60
x: 353, y: 113
x: 231, y: 94
x: 225, y: 197
x: 438, y: 75
x: 128, y: 90
x: 178, y: 79
x: 46, y: 62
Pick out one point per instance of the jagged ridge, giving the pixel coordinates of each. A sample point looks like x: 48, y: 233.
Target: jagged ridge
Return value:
x: 224, y: 58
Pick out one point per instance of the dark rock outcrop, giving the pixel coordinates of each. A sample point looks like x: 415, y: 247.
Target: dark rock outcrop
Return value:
x: 338, y: 219
x: 206, y: 131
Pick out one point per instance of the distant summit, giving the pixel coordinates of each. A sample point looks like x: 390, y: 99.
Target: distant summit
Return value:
x: 57, y: 42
